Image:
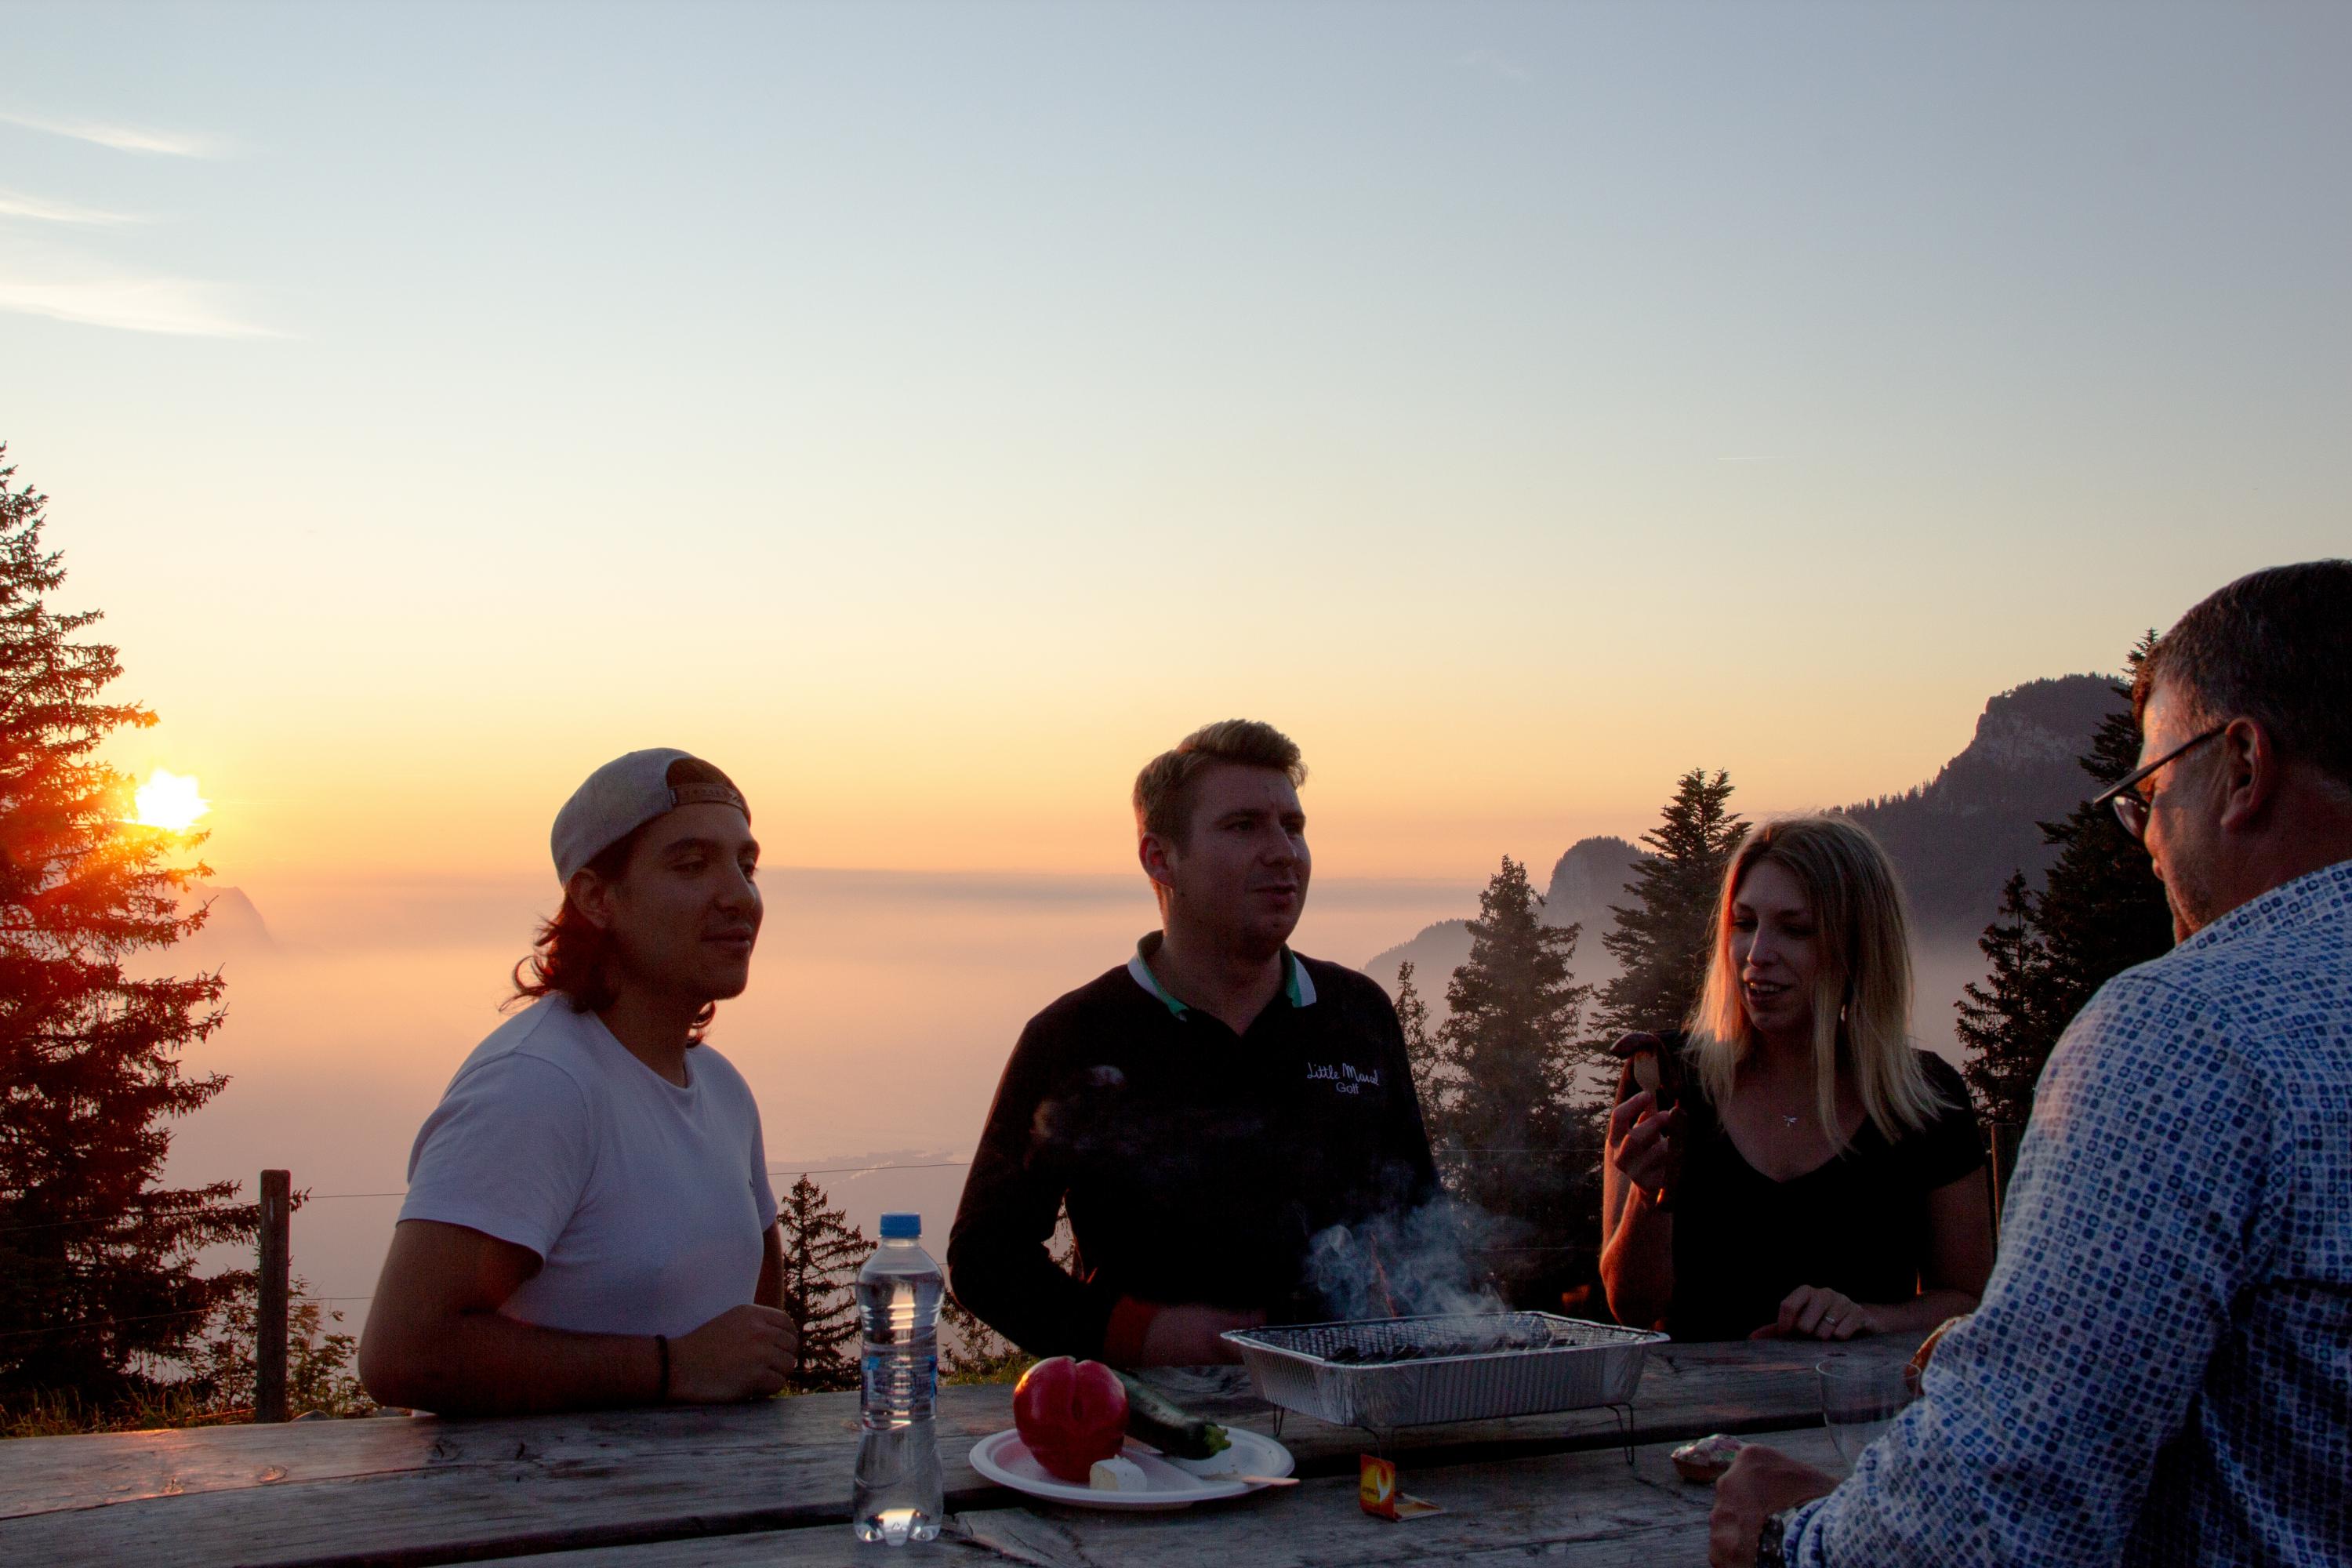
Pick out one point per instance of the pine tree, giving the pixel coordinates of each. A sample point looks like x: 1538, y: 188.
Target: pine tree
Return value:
x: 823, y: 1253
x: 98, y: 1280
x: 1514, y: 1148
x: 1424, y: 1056
x: 1662, y: 940
x: 2010, y: 1006
x: 2101, y: 910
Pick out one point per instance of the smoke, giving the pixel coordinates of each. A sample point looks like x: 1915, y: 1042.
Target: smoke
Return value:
x: 1408, y: 1260
x: 1420, y: 1262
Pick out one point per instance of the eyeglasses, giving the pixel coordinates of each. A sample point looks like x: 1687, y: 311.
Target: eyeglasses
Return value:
x: 2131, y: 806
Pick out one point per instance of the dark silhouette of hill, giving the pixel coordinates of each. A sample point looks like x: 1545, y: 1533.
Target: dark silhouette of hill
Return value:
x: 232, y: 924
x: 1435, y: 953
x: 1956, y: 838
x: 1585, y: 881
x: 232, y: 915
x: 233, y: 929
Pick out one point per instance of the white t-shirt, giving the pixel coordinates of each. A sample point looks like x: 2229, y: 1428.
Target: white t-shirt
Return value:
x: 646, y: 1203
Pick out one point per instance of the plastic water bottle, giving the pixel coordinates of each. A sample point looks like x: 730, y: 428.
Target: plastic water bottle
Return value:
x: 897, y: 1496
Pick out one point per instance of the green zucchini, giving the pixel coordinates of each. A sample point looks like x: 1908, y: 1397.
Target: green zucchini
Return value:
x: 1152, y: 1417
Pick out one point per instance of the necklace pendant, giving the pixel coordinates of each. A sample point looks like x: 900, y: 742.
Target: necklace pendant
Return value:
x: 1791, y: 1121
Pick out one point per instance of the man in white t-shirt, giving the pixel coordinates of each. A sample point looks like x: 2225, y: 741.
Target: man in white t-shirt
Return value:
x: 589, y: 1220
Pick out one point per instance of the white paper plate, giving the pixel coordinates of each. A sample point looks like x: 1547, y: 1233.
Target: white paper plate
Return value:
x: 1005, y: 1459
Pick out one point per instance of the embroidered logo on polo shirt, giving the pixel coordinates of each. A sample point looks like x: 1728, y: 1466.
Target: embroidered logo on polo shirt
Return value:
x: 1344, y: 1078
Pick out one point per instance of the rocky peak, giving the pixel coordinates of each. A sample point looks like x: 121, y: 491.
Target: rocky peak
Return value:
x: 230, y: 919
x: 1587, y: 879
x: 2041, y: 722
x: 2021, y: 769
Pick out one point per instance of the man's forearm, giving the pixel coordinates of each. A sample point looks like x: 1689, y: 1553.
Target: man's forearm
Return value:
x: 485, y: 1363
x: 1038, y: 1307
x: 1001, y: 1270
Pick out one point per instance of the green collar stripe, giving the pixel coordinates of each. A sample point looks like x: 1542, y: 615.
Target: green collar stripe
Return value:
x: 1298, y: 985
x: 1142, y: 974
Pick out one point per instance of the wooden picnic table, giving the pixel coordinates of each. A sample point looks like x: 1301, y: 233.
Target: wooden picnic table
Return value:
x: 768, y: 1482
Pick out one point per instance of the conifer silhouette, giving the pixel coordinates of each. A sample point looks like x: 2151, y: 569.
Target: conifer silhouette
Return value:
x: 1509, y: 1137
x: 2100, y: 911
x: 1424, y: 1056
x: 823, y: 1253
x: 98, y: 1279
x: 1662, y: 938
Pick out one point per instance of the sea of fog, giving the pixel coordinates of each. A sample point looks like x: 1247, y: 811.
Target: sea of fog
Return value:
x: 880, y: 1010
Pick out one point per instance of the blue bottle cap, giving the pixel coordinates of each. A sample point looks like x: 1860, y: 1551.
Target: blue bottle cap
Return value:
x: 901, y: 1226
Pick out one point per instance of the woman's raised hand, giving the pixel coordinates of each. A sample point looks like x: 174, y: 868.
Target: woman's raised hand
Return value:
x: 1645, y: 1145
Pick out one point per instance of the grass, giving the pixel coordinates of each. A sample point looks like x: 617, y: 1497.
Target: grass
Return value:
x: 65, y: 1415
x: 1008, y: 1370
x: 68, y: 1415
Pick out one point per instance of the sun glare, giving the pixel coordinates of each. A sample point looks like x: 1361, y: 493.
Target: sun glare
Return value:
x: 167, y: 800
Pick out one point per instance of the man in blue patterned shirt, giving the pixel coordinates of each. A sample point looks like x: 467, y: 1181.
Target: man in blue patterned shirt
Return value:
x: 2161, y: 1369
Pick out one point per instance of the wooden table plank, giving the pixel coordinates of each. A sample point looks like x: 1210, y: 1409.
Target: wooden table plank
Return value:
x: 412, y: 1492
x: 1583, y: 1509
x: 1682, y: 1383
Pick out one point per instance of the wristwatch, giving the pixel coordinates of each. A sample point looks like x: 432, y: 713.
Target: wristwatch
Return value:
x: 1771, y: 1542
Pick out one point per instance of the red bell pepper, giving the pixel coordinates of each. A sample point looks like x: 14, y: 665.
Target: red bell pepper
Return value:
x: 1070, y: 1414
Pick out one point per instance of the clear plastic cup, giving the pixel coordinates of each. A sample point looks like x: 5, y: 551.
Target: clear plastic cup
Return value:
x: 1861, y: 1396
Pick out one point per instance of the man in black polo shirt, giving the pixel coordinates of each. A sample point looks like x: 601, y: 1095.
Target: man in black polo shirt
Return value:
x: 1205, y: 1108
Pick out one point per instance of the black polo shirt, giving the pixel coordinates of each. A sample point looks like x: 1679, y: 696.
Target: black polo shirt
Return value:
x: 1195, y: 1163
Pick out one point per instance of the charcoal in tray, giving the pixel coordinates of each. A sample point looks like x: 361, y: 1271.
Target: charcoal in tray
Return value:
x: 1431, y: 1342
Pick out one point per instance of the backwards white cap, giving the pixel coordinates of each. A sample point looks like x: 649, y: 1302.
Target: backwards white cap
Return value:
x: 623, y: 795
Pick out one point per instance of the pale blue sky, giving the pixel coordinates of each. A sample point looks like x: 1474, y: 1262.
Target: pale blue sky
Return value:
x: 935, y: 409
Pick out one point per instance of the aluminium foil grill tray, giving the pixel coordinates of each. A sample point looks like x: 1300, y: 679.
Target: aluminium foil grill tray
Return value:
x: 1413, y: 1372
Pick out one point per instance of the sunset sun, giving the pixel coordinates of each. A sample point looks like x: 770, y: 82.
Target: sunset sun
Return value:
x: 167, y: 800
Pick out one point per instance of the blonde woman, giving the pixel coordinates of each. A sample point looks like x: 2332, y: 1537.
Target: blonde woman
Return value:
x: 1813, y: 1176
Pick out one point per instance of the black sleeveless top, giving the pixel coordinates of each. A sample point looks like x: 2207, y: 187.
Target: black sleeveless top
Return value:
x: 1856, y: 1224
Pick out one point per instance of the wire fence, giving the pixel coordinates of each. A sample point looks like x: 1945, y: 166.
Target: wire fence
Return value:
x: 117, y: 1218
x: 160, y: 1317
x: 106, y: 1322
x: 305, y: 1199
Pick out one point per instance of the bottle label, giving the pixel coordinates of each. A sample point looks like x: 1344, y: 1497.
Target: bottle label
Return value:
x: 921, y: 1373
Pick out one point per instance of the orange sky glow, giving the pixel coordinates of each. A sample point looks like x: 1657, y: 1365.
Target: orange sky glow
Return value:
x: 927, y: 412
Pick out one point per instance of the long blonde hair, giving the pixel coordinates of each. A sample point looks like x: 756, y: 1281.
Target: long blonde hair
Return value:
x: 1861, y: 996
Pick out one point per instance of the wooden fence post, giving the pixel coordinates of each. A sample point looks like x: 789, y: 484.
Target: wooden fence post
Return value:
x: 270, y: 1317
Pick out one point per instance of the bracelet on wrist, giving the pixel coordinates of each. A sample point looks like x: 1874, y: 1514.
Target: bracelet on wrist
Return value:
x: 1771, y: 1541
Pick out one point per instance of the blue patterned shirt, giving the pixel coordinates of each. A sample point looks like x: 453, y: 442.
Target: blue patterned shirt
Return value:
x: 2161, y: 1369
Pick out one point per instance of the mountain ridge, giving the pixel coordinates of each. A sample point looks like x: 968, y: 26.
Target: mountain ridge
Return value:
x: 1954, y: 839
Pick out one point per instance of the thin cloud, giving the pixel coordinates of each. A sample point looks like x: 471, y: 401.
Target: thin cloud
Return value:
x: 15, y: 204
x: 121, y: 138
x: 168, y: 305
x: 1493, y: 62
